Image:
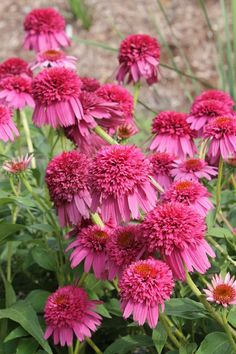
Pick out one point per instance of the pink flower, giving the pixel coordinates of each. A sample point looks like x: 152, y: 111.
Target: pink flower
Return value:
x: 139, y: 57
x: 124, y: 246
x: 67, y: 180
x: 90, y: 247
x: 54, y: 58
x: 203, y: 111
x: 216, y: 95
x: 7, y: 126
x: 177, y: 231
x: 190, y: 193
x: 89, y: 84
x: 16, y: 92
x: 173, y: 134
x: 126, y: 130
x: 45, y: 29
x: 69, y: 311
x: 14, y: 67
x: 121, y: 96
x: 161, y: 163
x: 56, y: 93
x: 222, y: 290
x: 192, y: 170
x: 120, y: 184
x: 222, y: 134
x: 144, y: 287
x: 18, y: 165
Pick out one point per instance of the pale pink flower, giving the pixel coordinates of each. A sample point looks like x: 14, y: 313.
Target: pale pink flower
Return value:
x: 192, y: 170
x: 7, y: 125
x: 222, y: 290
x: 53, y: 58
x: 18, y: 165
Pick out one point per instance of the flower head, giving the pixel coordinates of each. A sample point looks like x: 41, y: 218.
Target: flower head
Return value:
x: 222, y: 134
x: 7, y: 126
x: 16, y: 91
x: 67, y: 180
x: 44, y: 30
x: 69, y: 311
x: 89, y: 84
x: 120, y: 184
x: 216, y: 95
x: 177, y: 231
x: 18, y: 165
x: 54, y: 58
x: 190, y: 193
x: 222, y: 290
x: 161, y: 163
x: 124, y: 246
x: 173, y: 134
x: 90, y: 246
x: 14, y: 67
x: 144, y: 286
x: 56, y: 93
x: 192, y: 169
x: 139, y: 57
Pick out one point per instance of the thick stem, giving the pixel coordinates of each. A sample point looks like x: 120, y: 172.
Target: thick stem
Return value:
x: 97, y: 220
x: 76, y: 351
x: 106, y: 137
x: 28, y: 137
x: 218, y: 185
x: 168, y: 329
x: 203, y: 149
x: 93, y: 345
x: 18, y: 124
x: 156, y: 185
x: 176, y: 330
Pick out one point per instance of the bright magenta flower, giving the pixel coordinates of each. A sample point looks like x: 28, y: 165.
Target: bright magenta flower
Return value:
x: 139, y: 57
x: 14, y: 67
x: 44, y: 30
x: 7, y: 125
x: 177, y: 231
x: 120, y: 185
x: 67, y: 180
x: 192, y: 170
x: 217, y: 95
x: 69, y: 311
x: 222, y: 290
x: 89, y: 84
x: 16, y: 92
x: 161, y: 163
x: 144, y: 287
x: 172, y: 134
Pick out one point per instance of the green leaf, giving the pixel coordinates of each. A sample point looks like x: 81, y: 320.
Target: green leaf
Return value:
x: 40, y: 227
x: 185, y: 308
x: 232, y: 317
x: 188, y: 348
x: 23, y: 313
x: 27, y: 346
x: 7, y: 230
x: 125, y: 344
x: 219, y: 232
x: 37, y: 299
x: 159, y: 337
x: 215, y: 343
x: 44, y: 258
x: 113, y: 307
x: 16, y: 333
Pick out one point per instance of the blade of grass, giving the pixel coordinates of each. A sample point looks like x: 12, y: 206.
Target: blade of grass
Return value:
x: 234, y: 33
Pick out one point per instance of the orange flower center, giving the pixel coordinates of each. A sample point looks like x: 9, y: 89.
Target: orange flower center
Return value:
x: 101, y: 235
x: 52, y: 54
x: 193, y: 164
x: 224, y: 293
x: 125, y: 239
x: 18, y: 166
x: 146, y: 270
x: 61, y: 300
x: 183, y: 185
x: 223, y: 120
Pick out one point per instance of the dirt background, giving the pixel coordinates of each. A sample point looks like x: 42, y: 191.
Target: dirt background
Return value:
x: 115, y: 18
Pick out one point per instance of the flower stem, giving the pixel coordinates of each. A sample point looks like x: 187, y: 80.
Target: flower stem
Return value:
x: 137, y: 87
x: 70, y: 350
x: 28, y: 137
x: 203, y: 147
x: 176, y: 330
x: 227, y: 330
x: 168, y: 329
x: 156, y: 185
x: 106, y: 137
x: 93, y: 345
x: 18, y: 124
x: 218, y: 185
x: 76, y: 351
x: 96, y: 219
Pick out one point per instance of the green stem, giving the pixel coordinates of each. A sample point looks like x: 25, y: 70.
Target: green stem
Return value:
x: 82, y: 279
x: 9, y: 255
x: 203, y: 149
x: 96, y: 219
x: 93, y: 345
x: 18, y: 124
x: 173, y: 339
x: 218, y: 185
x: 76, y: 351
x: 70, y: 350
x: 176, y: 330
x: 100, y: 132
x: 28, y: 137
x: 137, y: 87
x: 227, y: 330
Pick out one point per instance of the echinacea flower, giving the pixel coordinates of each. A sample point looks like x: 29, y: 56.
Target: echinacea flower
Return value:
x: 203, y: 111
x: 192, y: 170
x: 172, y: 134
x: 54, y: 58
x: 89, y: 84
x: 119, y: 182
x: 14, y: 67
x: 222, y: 290
x: 90, y: 247
x: 69, y: 311
x: 67, y: 181
x: 126, y: 130
x: 44, y: 30
x: 216, y: 95
x: 144, y: 287
x: 56, y: 93
x: 125, y: 245
x: 221, y: 132
x: 7, y: 126
x: 139, y: 57
x: 122, y: 97
x: 161, y: 163
x: 18, y: 165
x: 177, y: 231
x: 16, y: 92
x: 190, y: 193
